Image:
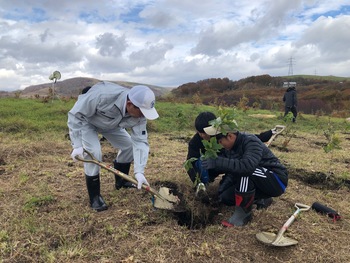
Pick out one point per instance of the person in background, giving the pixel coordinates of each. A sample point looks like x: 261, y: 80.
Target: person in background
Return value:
x: 108, y: 109
x: 253, y: 171
x: 291, y: 102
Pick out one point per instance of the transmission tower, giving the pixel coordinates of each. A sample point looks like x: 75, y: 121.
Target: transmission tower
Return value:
x: 290, y: 63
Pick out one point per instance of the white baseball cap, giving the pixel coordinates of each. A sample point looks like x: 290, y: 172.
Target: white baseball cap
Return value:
x: 212, y: 130
x: 143, y: 97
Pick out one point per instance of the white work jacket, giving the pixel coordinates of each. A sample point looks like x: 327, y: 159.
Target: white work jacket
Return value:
x: 103, y: 108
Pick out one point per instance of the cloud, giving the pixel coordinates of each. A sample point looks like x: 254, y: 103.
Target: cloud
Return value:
x: 170, y: 42
x: 150, y: 55
x: 329, y: 36
x: 110, y: 45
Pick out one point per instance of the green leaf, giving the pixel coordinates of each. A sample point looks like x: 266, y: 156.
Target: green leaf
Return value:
x: 188, y: 163
x: 225, y: 122
x: 212, y: 147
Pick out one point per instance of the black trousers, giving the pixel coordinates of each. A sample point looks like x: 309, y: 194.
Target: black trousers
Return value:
x: 265, y: 182
x: 292, y: 109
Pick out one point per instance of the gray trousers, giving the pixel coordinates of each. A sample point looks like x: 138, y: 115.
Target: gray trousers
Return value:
x: 118, y: 137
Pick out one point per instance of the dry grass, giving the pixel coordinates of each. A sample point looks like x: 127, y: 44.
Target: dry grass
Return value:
x: 263, y: 116
x: 44, y: 213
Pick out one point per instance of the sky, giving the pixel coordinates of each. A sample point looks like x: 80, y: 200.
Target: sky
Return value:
x: 171, y: 42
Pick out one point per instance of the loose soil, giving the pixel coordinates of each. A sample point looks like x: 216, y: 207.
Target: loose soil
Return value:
x: 45, y: 217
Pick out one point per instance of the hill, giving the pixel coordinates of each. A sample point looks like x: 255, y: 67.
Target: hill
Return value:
x: 73, y: 87
x: 315, y: 94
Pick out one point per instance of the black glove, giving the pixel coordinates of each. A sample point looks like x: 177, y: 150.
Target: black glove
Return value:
x: 208, y: 164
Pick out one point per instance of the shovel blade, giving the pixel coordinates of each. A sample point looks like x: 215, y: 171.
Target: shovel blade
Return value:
x: 270, y: 239
x: 166, y: 199
x: 266, y: 237
x: 162, y: 204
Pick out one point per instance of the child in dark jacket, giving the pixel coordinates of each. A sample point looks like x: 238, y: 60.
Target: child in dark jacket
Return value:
x: 196, y: 148
x: 253, y: 171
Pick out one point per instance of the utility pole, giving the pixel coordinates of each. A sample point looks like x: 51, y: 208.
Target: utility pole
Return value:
x: 290, y: 63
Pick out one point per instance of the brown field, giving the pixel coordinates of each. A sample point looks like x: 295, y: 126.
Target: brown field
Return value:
x: 44, y: 213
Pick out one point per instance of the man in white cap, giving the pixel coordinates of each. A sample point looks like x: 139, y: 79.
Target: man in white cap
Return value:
x: 109, y: 109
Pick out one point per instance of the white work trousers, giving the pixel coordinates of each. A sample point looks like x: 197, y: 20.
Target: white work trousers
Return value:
x: 118, y: 137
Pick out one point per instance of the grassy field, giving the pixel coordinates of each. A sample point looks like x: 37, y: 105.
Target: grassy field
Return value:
x: 44, y: 213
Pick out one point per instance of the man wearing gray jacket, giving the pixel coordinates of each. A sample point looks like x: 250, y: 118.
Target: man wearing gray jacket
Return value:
x: 109, y: 109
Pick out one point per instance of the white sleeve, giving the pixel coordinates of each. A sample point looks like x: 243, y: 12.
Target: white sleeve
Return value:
x: 139, y: 139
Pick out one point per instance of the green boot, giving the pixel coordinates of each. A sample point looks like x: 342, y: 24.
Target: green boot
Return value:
x: 243, y: 209
x: 93, y: 186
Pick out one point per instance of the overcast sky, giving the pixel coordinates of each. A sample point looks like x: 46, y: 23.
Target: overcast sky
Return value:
x: 171, y: 42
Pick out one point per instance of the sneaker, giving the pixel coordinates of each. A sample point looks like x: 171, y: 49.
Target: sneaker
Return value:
x: 263, y: 203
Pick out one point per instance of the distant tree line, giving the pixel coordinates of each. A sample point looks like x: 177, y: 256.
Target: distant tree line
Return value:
x: 266, y: 92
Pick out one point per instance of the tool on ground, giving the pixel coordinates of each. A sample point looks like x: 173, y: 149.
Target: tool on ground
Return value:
x: 277, y: 130
x: 279, y: 240
x: 320, y: 208
x: 162, y: 199
x: 202, y: 194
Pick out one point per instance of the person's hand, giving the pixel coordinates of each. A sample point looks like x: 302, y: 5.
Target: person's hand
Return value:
x: 208, y: 163
x: 141, y: 179
x: 77, y: 152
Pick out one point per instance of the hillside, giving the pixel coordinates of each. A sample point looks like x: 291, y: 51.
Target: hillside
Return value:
x: 72, y: 88
x: 315, y: 95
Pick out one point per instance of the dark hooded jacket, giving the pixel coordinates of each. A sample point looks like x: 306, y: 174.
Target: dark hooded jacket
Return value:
x: 290, y: 97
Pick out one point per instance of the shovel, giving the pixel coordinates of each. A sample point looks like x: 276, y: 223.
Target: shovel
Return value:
x: 163, y: 199
x: 279, y: 240
x: 279, y: 129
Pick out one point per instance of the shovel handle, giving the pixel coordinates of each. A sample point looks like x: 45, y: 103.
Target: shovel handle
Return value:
x: 117, y: 172
x: 279, y: 129
x: 300, y: 207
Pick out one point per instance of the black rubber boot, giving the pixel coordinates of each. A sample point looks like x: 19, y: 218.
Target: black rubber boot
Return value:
x: 120, y: 182
x: 93, y: 186
x: 243, y: 208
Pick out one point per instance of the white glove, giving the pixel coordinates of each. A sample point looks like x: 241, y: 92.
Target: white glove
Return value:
x: 77, y: 151
x: 141, y: 179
